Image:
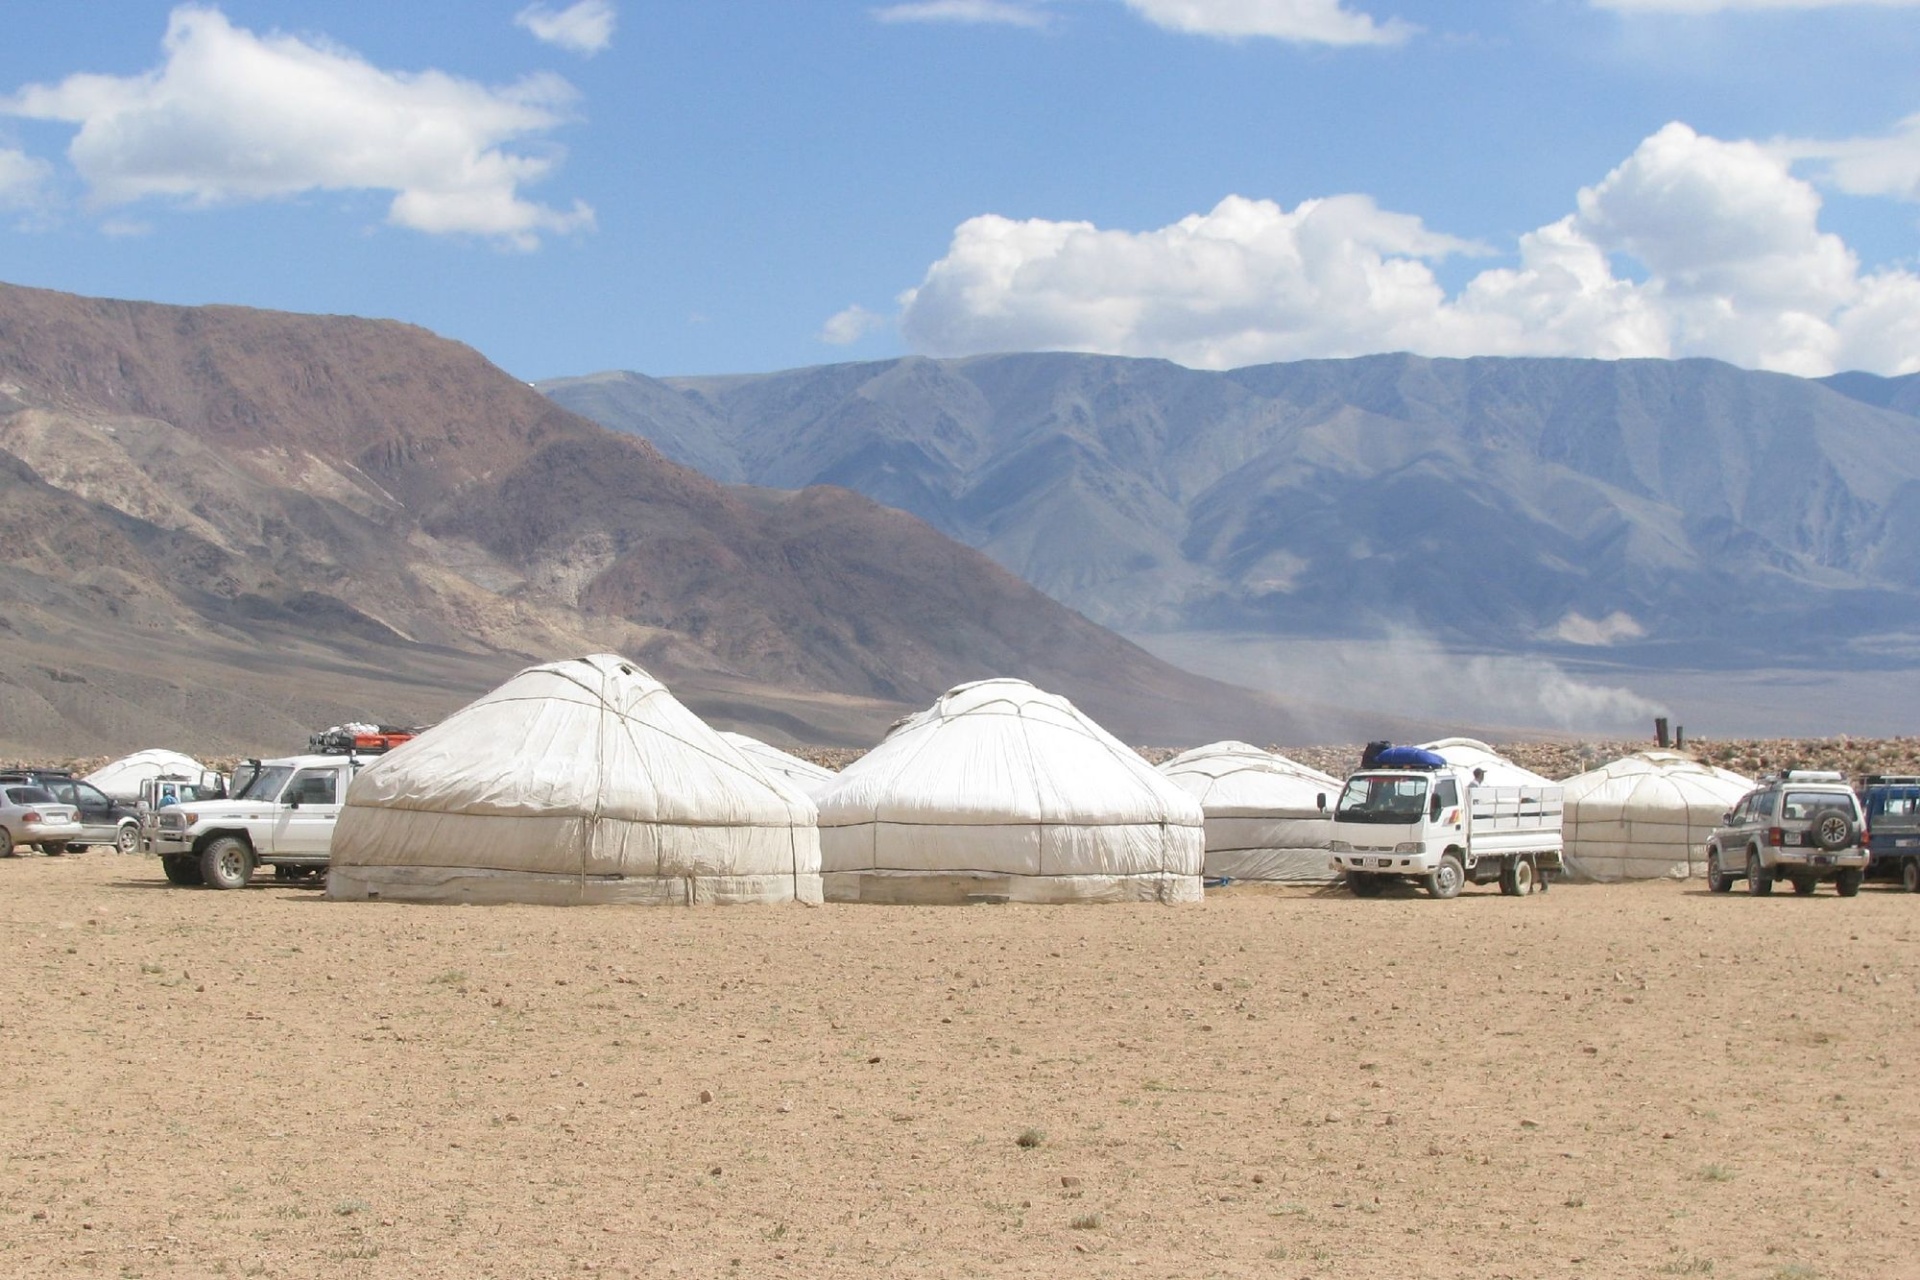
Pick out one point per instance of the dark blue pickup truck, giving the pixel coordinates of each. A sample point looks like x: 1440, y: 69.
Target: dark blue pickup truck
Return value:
x: 1892, y: 806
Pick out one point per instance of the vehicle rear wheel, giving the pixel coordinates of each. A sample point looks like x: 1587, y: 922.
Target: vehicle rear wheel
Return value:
x: 127, y: 838
x: 1718, y: 881
x: 1848, y: 881
x: 1517, y: 877
x: 1444, y: 881
x: 55, y: 850
x: 226, y: 863
x: 6, y: 843
x: 1805, y: 885
x: 1759, y: 879
x: 1910, y: 875
x: 180, y: 868
x: 1364, y: 885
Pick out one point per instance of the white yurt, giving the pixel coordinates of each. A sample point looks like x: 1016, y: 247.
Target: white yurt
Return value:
x: 804, y: 774
x: 581, y: 781
x: 1002, y: 792
x: 1499, y: 771
x: 121, y: 778
x: 1264, y: 819
x: 1646, y: 816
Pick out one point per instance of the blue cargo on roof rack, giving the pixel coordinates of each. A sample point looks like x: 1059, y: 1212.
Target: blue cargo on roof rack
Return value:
x: 1409, y: 758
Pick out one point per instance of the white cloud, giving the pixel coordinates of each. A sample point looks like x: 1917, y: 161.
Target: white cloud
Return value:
x: 23, y: 180
x: 1731, y: 264
x: 230, y: 117
x: 1888, y: 165
x: 1724, y: 6
x: 1303, y: 21
x: 996, y: 12
x: 586, y: 27
x: 847, y: 327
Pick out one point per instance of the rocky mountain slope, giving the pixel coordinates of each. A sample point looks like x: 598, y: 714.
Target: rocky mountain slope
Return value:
x: 224, y: 527
x: 1662, y: 513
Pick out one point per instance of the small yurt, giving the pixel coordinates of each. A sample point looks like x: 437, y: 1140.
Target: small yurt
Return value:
x: 121, y: 779
x: 1498, y: 771
x: 581, y: 781
x: 1001, y: 792
x: 1263, y: 812
x: 1646, y: 816
x: 804, y: 774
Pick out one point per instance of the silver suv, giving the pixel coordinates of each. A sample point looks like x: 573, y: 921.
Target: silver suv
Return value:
x: 1802, y: 827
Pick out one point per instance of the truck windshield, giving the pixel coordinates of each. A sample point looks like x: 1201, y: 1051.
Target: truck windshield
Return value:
x: 1370, y: 798
x: 266, y: 784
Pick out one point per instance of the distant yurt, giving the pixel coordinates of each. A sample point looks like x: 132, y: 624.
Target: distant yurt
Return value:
x: 1264, y: 819
x: 804, y: 774
x: 581, y: 781
x: 1000, y: 792
x: 1498, y: 771
x: 1646, y: 816
x: 121, y: 779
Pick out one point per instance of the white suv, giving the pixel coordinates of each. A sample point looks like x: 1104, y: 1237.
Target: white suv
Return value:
x: 282, y: 812
x: 1802, y: 827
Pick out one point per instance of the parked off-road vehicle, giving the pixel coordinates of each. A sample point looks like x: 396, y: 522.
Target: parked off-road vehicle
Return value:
x: 1892, y: 805
x: 281, y: 814
x: 1802, y: 827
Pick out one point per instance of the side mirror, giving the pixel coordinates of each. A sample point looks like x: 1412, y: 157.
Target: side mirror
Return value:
x: 1726, y: 819
x: 1320, y: 802
x: 293, y: 801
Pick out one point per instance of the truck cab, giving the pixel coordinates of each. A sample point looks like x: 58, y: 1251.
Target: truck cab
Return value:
x: 1891, y: 804
x: 281, y: 814
x: 1442, y: 827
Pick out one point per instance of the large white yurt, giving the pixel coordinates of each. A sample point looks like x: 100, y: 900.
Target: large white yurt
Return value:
x: 1498, y: 771
x: 1646, y: 816
x: 1264, y: 819
x: 804, y: 774
x: 121, y: 778
x: 1002, y: 792
x: 581, y: 781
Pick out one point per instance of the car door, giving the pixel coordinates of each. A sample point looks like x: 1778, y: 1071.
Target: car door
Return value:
x: 309, y: 807
x: 97, y: 819
x: 1731, y: 840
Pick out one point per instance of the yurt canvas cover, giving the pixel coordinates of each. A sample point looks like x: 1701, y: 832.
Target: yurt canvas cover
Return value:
x: 1473, y: 754
x: 804, y: 774
x: 1001, y: 791
x: 121, y: 778
x: 1263, y: 819
x: 582, y: 781
x: 1646, y: 816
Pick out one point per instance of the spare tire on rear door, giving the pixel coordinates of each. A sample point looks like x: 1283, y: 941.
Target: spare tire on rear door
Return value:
x: 1832, y: 829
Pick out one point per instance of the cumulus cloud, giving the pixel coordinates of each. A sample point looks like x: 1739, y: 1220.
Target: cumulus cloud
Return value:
x: 1301, y: 21
x: 23, y: 180
x: 230, y: 117
x: 847, y: 327
x: 586, y: 27
x: 1888, y: 165
x: 979, y: 12
x: 1731, y: 264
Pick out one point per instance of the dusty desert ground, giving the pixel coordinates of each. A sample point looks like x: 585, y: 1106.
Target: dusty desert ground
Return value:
x: 1599, y: 1081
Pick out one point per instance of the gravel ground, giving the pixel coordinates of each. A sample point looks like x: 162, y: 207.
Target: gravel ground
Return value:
x: 1597, y: 1081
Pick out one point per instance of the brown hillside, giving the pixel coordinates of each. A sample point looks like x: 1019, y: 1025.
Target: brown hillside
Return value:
x: 226, y: 524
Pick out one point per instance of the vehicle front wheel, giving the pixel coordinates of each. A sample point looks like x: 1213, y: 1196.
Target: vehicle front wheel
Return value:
x: 1516, y: 877
x: 226, y: 863
x: 1910, y: 875
x: 1759, y: 879
x: 180, y: 868
x: 127, y: 838
x: 1444, y: 881
x: 1362, y: 885
x: 1848, y: 881
x: 1718, y: 881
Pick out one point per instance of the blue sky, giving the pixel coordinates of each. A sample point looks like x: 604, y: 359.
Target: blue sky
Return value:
x: 713, y: 187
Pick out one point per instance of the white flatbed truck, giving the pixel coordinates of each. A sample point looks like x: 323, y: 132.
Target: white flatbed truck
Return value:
x: 1441, y: 828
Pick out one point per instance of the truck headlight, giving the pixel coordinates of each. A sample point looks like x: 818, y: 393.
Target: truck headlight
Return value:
x: 1410, y: 846
x: 1339, y: 846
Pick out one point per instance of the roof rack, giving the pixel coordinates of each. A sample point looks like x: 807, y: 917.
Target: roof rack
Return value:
x: 359, y: 739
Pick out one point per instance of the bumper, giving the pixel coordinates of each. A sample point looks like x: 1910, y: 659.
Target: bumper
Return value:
x: 1816, y: 860
x: 47, y: 833
x: 1386, y: 864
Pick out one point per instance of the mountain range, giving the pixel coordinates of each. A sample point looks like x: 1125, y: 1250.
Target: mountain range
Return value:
x: 224, y: 528
x: 1652, y: 514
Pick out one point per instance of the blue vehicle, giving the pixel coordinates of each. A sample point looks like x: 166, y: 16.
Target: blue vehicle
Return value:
x: 1892, y: 807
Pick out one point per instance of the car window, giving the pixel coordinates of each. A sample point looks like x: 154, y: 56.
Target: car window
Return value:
x: 29, y: 795
x: 1801, y: 805
x: 315, y: 787
x: 62, y: 791
x: 92, y: 795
